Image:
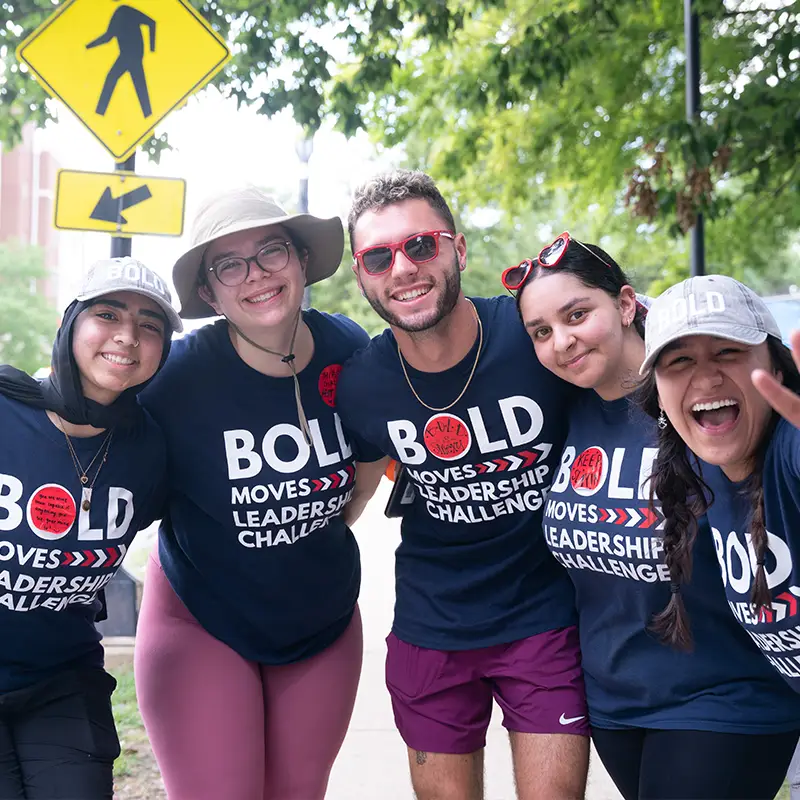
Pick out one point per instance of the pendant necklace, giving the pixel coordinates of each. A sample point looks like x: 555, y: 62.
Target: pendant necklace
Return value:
x: 83, y: 474
x: 471, y: 374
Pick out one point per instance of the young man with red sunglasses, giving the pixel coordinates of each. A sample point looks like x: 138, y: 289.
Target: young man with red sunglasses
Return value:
x: 454, y: 392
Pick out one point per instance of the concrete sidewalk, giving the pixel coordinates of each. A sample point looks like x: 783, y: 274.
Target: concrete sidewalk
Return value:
x: 372, y: 764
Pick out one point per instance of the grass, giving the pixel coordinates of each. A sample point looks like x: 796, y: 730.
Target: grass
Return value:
x: 136, y: 775
x: 126, y: 715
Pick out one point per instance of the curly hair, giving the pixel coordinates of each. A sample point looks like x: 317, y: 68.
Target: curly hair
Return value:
x: 677, y: 482
x: 389, y: 188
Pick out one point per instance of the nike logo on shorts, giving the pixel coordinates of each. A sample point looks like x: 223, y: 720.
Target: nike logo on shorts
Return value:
x: 569, y: 720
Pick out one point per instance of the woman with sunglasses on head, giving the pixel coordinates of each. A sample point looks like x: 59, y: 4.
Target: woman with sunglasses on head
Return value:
x: 665, y: 723
x: 249, y: 648
x: 82, y: 469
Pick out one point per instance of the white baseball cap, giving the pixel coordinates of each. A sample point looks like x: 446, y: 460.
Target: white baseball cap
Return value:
x: 128, y: 275
x: 709, y: 305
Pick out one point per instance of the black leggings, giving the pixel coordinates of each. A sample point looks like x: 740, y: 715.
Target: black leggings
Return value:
x: 58, y: 740
x: 695, y: 765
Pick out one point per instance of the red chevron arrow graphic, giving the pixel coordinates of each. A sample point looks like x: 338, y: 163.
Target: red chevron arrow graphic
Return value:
x: 649, y: 518
x: 336, y: 478
x: 528, y: 456
x: 68, y: 559
x: 789, y: 598
x: 765, y: 615
x: 351, y: 471
x: 623, y: 515
x: 603, y: 515
x: 90, y: 558
x: 113, y: 555
x: 501, y: 463
x: 481, y: 468
x: 317, y: 485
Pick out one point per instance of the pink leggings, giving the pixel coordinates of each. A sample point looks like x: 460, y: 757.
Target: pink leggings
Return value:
x: 224, y: 727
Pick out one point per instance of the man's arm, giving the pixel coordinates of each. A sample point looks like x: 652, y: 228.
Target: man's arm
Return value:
x: 368, y: 476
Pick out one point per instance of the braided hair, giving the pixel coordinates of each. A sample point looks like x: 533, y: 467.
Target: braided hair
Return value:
x: 676, y: 480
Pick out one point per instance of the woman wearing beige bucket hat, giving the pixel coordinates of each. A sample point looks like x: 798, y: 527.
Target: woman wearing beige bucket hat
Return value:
x: 249, y: 647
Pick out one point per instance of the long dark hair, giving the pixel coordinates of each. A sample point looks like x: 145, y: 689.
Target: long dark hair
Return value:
x: 676, y: 480
x: 591, y: 272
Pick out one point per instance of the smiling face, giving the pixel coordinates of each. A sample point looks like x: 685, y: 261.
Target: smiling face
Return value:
x: 577, y: 331
x: 705, y: 389
x: 413, y: 297
x: 265, y: 299
x: 118, y: 343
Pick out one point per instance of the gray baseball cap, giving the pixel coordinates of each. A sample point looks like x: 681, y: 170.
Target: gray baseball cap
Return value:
x: 128, y: 275
x: 709, y: 305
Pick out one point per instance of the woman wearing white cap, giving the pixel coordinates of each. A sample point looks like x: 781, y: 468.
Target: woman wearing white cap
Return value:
x: 724, y: 389
x: 82, y: 469
x: 249, y: 648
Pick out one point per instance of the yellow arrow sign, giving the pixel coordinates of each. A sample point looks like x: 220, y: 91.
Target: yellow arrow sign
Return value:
x: 122, y: 203
x: 121, y: 67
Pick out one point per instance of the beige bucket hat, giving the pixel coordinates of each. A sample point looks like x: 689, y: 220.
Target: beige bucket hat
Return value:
x: 242, y: 209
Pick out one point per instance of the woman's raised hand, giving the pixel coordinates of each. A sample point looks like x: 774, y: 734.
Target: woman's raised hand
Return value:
x: 783, y: 400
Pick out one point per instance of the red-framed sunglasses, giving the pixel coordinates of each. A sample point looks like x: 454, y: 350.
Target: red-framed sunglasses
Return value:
x: 419, y: 248
x: 514, y: 277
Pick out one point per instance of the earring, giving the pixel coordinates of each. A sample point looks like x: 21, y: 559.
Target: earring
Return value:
x: 662, y: 420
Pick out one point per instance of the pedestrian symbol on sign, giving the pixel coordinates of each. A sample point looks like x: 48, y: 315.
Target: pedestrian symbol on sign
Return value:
x: 126, y: 27
x: 101, y: 59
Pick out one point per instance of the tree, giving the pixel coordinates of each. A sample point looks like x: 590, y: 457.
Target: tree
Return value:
x: 504, y: 101
x: 28, y: 321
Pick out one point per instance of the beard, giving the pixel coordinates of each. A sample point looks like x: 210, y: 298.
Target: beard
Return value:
x: 444, y: 305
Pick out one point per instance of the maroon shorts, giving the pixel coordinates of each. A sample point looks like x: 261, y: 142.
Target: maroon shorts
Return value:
x: 442, y: 700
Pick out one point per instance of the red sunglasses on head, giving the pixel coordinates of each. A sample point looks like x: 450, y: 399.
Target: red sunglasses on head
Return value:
x: 514, y: 277
x: 419, y: 248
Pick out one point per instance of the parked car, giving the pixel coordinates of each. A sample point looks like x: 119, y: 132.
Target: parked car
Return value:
x: 786, y: 310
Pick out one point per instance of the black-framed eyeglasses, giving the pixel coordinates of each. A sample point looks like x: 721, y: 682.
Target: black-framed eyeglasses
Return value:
x: 272, y: 257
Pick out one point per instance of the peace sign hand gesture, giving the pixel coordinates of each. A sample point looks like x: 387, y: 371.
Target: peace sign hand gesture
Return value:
x: 783, y: 400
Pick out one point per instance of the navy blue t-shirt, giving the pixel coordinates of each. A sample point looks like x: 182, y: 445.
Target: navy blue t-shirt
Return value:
x: 776, y: 631
x: 55, y: 555
x: 598, y: 523
x: 472, y: 569
x: 254, y: 543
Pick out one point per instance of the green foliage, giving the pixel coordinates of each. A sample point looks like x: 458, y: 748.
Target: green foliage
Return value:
x: 566, y: 109
x: 28, y: 321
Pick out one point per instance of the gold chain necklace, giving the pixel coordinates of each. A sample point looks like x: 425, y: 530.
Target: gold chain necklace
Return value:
x: 83, y: 474
x: 472, y: 371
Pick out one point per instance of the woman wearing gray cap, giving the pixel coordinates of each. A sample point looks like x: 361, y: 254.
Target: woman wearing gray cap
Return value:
x: 249, y: 648
x: 82, y: 469
x: 724, y: 389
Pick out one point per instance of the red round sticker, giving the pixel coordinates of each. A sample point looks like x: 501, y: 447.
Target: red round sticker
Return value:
x: 328, y: 379
x: 51, y: 511
x: 589, y: 470
x: 447, y: 437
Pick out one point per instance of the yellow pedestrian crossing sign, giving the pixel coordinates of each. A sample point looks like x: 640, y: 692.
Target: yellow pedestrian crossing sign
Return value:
x: 122, y: 65
x: 122, y: 203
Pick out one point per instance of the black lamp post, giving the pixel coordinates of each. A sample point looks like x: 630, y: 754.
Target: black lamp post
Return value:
x: 304, y: 147
x: 691, y: 31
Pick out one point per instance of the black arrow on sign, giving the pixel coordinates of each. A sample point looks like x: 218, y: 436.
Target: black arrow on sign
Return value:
x: 109, y: 208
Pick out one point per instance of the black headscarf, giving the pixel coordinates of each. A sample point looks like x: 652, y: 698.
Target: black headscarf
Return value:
x: 62, y: 391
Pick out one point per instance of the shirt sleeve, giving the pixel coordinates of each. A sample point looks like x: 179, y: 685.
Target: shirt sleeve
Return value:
x: 348, y: 400
x: 789, y: 447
